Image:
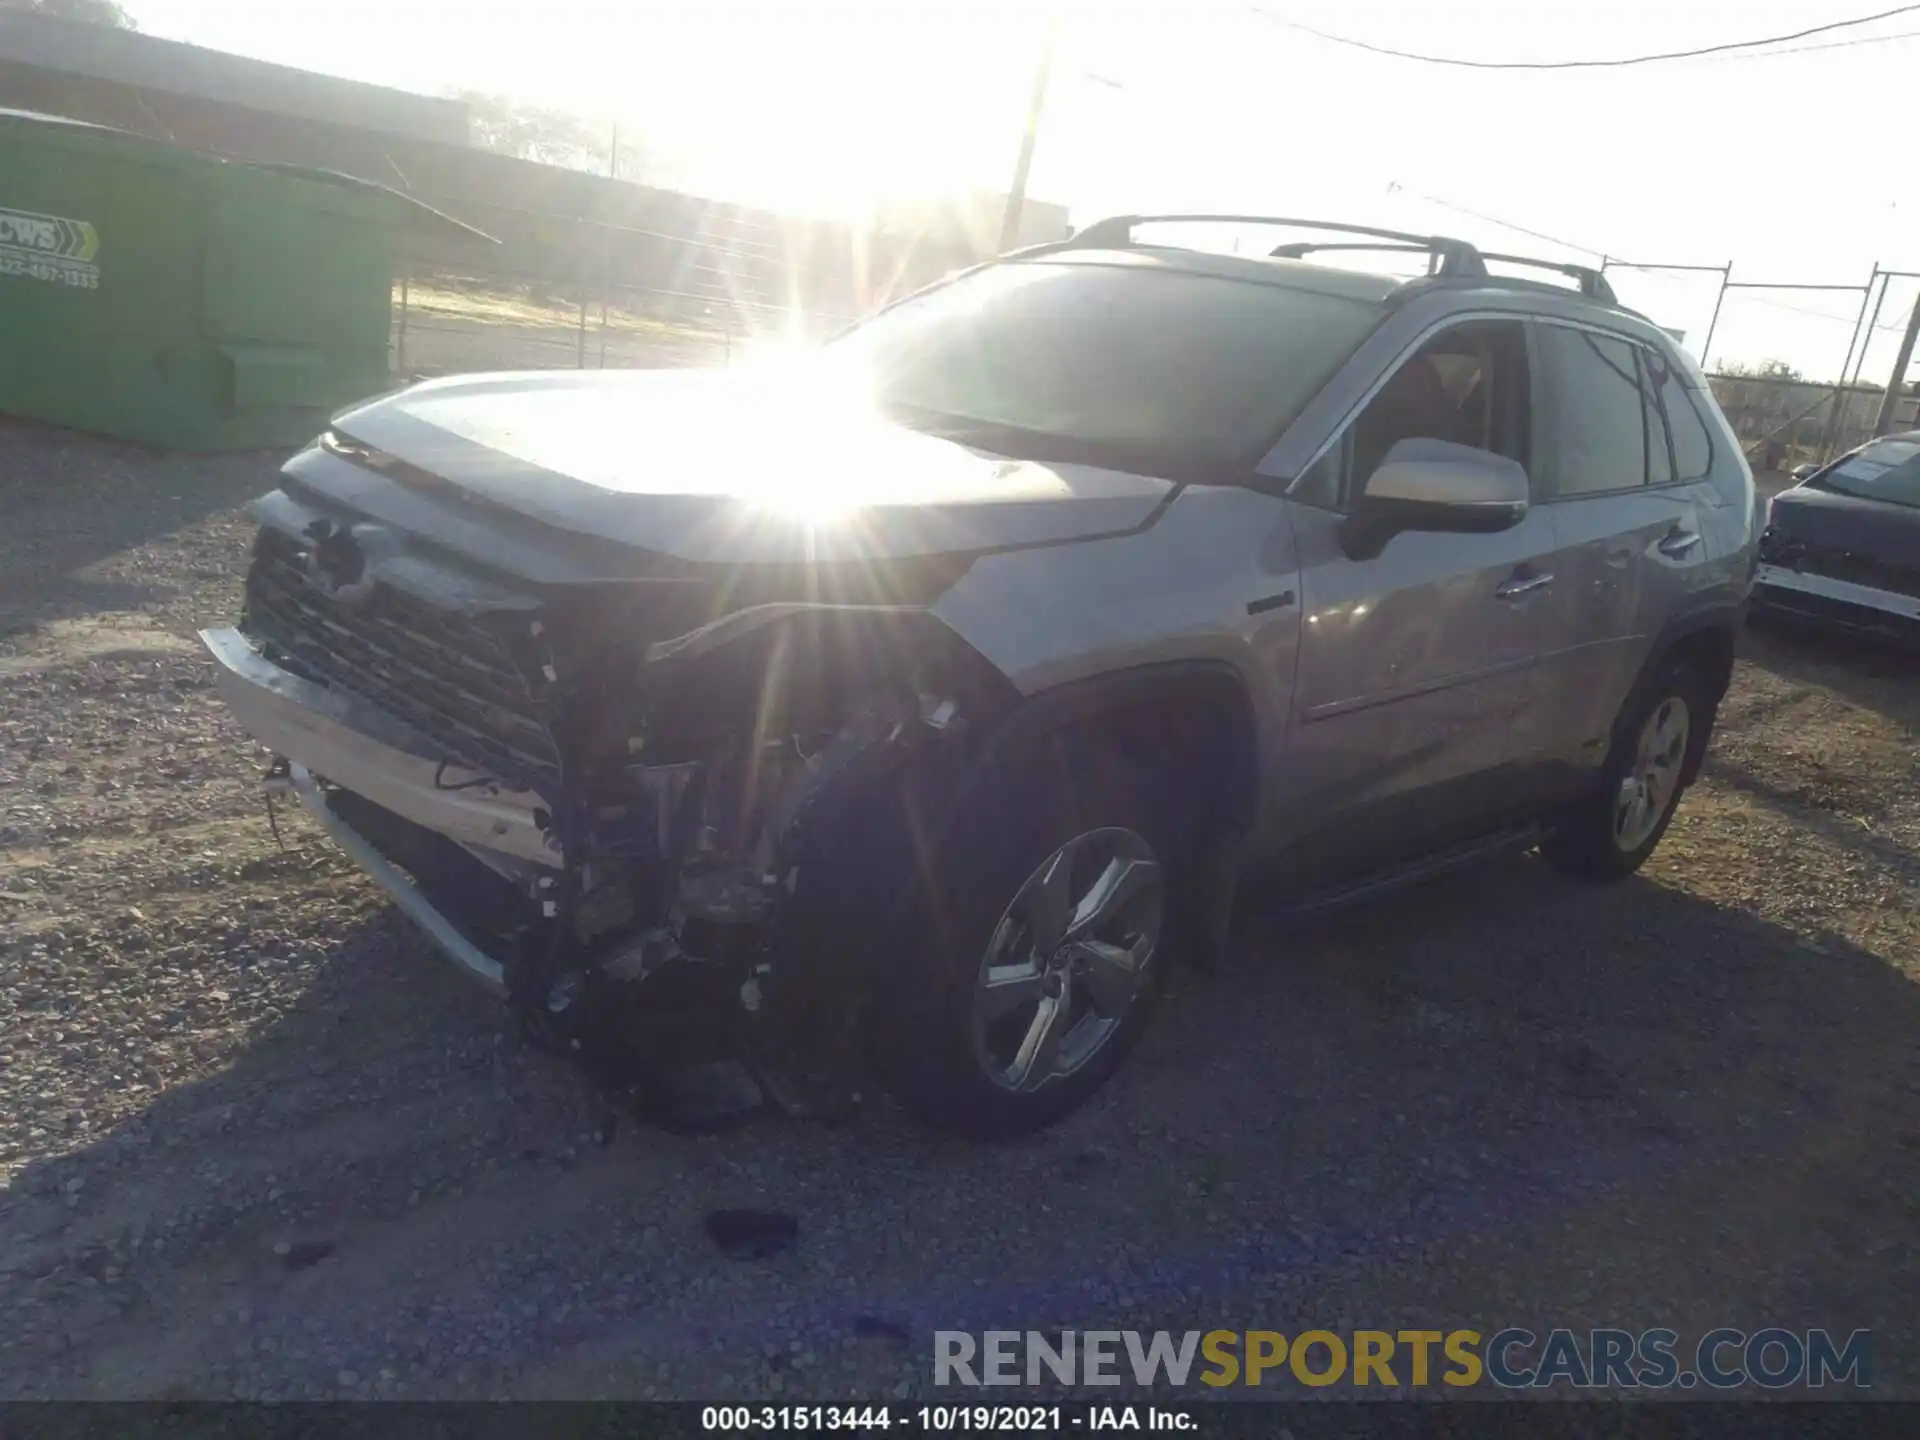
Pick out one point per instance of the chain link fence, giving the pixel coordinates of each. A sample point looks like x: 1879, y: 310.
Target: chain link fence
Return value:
x: 690, y: 282
x: 697, y: 284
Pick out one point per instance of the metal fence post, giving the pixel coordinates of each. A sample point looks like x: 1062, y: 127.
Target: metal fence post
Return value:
x: 1832, y: 432
x: 1726, y: 278
x: 1866, y: 341
x: 1890, y: 401
x: 606, y: 267
x: 400, y: 340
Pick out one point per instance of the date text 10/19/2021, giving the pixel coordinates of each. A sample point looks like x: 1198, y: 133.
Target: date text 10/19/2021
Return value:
x: 1039, y: 1419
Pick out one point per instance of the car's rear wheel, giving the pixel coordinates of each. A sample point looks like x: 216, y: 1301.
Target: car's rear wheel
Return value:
x: 1040, y: 955
x: 1656, y: 748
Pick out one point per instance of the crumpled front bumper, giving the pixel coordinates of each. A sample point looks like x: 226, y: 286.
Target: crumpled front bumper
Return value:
x: 359, y: 747
x: 411, y: 902
x: 1843, y: 604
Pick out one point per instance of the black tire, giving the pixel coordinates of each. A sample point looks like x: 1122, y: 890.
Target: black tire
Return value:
x: 1006, y: 828
x: 1585, y: 843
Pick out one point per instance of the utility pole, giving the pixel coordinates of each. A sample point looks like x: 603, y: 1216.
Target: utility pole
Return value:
x: 1017, y: 192
x: 1890, y: 402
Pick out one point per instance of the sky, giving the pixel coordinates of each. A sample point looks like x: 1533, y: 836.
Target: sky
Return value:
x: 1797, y: 167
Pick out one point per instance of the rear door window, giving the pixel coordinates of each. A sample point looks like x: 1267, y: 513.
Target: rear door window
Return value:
x: 1659, y: 440
x: 1600, y: 414
x: 1692, y: 443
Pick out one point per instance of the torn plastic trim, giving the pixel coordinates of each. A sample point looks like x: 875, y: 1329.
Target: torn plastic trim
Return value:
x: 472, y: 960
x: 754, y: 618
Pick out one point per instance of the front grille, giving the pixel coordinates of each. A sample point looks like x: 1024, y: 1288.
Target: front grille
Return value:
x: 1825, y: 610
x: 449, y: 676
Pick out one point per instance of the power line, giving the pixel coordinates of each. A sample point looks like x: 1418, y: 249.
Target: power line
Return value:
x: 1826, y: 45
x: 1495, y: 220
x: 1721, y: 49
x: 1605, y: 254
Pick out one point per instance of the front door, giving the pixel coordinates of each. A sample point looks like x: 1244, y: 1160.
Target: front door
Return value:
x: 1413, y: 663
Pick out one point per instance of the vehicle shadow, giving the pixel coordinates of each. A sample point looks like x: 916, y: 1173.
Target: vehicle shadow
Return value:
x: 1873, y: 674
x: 1504, y: 1098
x: 1843, y: 831
x: 70, y: 502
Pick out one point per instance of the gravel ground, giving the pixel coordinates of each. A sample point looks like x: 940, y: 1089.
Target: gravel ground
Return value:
x: 256, y: 1141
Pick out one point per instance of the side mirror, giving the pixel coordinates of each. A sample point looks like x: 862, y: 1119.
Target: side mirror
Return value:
x: 1435, y: 485
x: 1803, y: 472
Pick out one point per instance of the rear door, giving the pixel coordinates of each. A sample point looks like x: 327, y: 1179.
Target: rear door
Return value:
x: 1622, y: 478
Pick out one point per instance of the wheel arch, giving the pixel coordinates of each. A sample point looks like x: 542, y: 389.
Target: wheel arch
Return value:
x: 1705, y: 642
x: 882, y: 859
x: 1196, y: 714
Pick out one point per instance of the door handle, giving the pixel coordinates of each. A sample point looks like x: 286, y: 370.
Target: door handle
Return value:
x: 1518, y: 585
x: 1676, y: 542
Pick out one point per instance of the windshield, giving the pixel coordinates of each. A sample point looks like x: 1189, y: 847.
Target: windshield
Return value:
x: 1155, y: 370
x: 1886, y: 470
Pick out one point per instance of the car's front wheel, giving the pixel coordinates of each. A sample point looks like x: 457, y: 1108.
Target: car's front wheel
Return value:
x: 1040, y: 954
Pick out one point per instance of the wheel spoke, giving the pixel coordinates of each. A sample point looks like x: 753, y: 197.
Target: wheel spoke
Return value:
x: 1111, y: 972
x: 1649, y: 737
x: 1648, y: 791
x: 1626, y: 806
x: 1123, y: 880
x: 1006, y: 988
x: 1034, y: 1061
x: 1088, y: 916
x: 1659, y: 786
x: 1049, y: 902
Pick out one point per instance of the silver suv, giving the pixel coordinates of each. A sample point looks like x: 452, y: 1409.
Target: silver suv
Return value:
x: 917, y: 703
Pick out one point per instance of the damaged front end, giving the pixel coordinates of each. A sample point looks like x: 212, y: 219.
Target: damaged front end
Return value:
x: 651, y: 831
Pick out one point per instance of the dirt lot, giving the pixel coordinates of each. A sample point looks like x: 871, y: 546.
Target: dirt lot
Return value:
x: 256, y: 1141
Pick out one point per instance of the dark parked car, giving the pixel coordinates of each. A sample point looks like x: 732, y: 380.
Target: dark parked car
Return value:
x: 1842, y: 547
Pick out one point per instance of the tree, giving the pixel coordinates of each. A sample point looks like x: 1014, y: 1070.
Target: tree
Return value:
x: 88, y: 12
x: 536, y: 132
x: 1765, y: 370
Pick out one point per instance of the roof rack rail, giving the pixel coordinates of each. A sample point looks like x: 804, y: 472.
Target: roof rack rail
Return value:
x: 1451, y: 257
x: 1300, y: 249
x: 1593, y: 284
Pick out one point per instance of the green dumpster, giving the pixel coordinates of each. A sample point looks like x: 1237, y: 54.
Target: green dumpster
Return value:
x: 172, y: 297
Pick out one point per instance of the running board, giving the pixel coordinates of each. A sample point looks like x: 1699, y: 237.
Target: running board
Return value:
x: 1414, y: 872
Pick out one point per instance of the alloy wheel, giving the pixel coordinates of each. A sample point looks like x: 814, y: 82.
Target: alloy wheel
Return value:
x: 1648, y: 789
x: 1068, y: 959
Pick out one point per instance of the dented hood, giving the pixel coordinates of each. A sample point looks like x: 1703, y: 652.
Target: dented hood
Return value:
x: 731, y: 466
